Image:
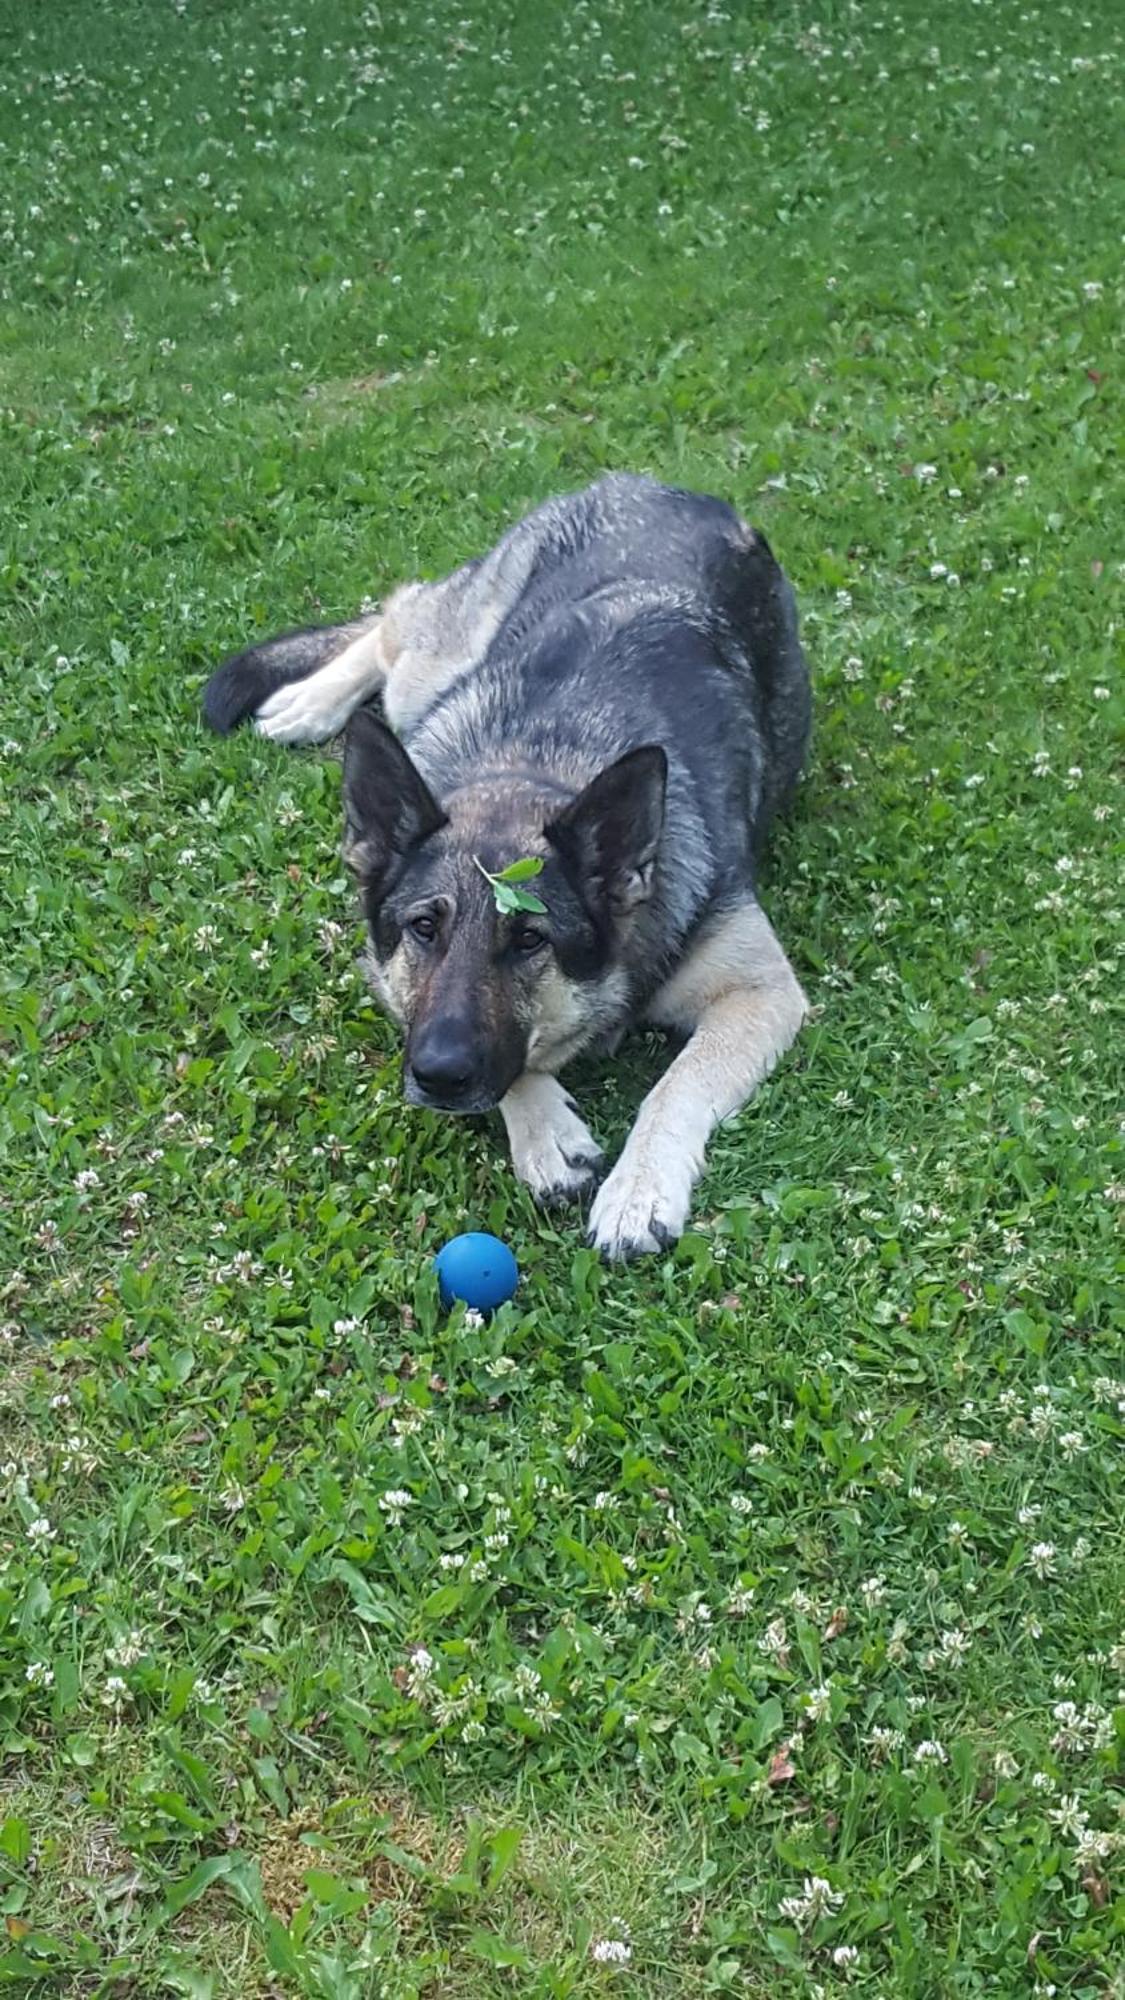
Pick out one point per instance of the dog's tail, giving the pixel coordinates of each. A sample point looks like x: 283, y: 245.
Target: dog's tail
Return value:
x: 244, y: 683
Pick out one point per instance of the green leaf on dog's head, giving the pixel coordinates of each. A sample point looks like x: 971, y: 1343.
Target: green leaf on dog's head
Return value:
x: 521, y: 871
x: 507, y: 897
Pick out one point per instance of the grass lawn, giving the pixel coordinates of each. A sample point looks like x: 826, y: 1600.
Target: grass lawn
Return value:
x: 749, y: 1622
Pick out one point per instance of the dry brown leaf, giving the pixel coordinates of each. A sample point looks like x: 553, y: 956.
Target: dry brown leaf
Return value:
x: 781, y: 1767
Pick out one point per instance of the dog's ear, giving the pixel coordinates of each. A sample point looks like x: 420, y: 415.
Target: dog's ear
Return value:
x: 609, y: 835
x: 388, y: 807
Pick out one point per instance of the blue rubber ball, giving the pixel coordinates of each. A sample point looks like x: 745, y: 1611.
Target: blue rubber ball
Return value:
x: 478, y: 1269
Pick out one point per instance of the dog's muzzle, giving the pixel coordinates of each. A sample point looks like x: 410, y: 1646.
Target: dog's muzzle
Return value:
x: 468, y: 1100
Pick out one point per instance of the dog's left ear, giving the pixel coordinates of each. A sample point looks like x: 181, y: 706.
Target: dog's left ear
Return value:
x: 388, y: 806
x: 608, y: 837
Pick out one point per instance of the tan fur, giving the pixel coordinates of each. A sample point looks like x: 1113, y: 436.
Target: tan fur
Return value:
x: 407, y: 654
x: 421, y: 663
x: 738, y: 997
x: 562, y: 1014
x: 313, y: 709
x: 392, y: 983
x: 739, y: 948
x: 428, y: 635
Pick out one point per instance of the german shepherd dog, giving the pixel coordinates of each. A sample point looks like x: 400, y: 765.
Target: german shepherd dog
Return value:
x: 618, y: 689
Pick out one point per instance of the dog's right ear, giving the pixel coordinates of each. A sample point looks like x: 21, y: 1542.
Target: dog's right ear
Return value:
x: 388, y: 807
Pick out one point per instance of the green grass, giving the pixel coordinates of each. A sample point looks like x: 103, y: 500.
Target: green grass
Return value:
x: 704, y: 1554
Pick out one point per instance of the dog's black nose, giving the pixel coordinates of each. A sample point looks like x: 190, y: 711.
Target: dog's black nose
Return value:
x: 442, y: 1064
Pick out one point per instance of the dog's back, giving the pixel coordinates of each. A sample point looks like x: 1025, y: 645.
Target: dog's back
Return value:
x: 650, y: 614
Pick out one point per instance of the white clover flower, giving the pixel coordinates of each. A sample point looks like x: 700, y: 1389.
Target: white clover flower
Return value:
x: 39, y: 1675
x: 420, y: 1674
x: 818, y: 1899
x: 883, y: 1742
x: 40, y: 1532
x: 543, y: 1711
x: 394, y: 1505
x: 930, y: 1751
x: 1041, y: 1560
x: 126, y: 1652
x: 1069, y: 1816
x: 955, y: 1647
x: 115, y: 1693
x: 774, y: 1641
x: 1094, y: 1847
x: 1088, y: 1728
x: 873, y: 1590
x: 818, y: 1702
x: 611, y: 1951
x: 845, y: 1956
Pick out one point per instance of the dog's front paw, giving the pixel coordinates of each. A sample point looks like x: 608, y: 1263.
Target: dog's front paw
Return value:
x: 561, y: 1162
x: 642, y: 1207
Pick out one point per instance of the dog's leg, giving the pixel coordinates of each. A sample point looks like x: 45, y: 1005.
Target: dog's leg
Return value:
x: 262, y: 678
x: 740, y: 999
x: 552, y: 1152
x: 315, y: 708
x: 303, y: 686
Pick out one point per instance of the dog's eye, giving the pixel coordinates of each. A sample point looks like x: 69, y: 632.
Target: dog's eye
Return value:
x: 527, y: 941
x: 424, y: 927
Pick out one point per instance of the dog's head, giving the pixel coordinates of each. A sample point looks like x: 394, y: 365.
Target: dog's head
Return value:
x: 479, y: 993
